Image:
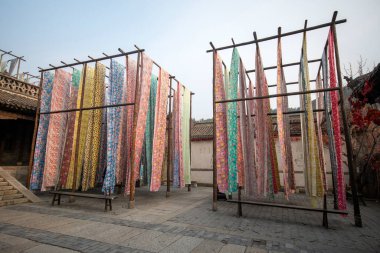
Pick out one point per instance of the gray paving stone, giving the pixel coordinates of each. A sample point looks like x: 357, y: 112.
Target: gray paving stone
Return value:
x: 184, y: 245
x: 208, y: 246
x: 43, y: 248
x: 232, y: 248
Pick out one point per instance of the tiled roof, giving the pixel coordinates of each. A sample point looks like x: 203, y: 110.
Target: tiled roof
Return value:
x: 17, y: 96
x: 202, y: 130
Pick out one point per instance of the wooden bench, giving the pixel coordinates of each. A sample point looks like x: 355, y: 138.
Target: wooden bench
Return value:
x: 107, y: 198
x: 304, y: 208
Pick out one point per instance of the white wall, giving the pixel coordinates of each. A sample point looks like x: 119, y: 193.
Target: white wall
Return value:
x: 201, y: 162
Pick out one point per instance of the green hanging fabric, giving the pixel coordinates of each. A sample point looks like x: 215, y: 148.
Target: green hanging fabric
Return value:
x: 186, y: 135
x: 149, y: 130
x: 232, y: 129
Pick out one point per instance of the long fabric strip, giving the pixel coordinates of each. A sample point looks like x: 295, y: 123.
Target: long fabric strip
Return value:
x: 186, y: 135
x: 313, y: 171
x: 103, y: 148
x: 175, y: 140
x: 221, y: 127
x: 70, y: 128
x: 40, y: 148
x: 113, y: 124
x: 263, y: 152
x: 232, y: 124
x: 140, y: 120
x: 131, y: 88
x: 88, y: 90
x: 159, y: 137
x: 329, y: 129
x: 336, y: 124
x: 319, y: 105
x: 57, y: 126
x: 283, y: 128
x: 92, y: 146
x: 181, y: 179
x: 243, y: 165
x: 250, y: 176
x: 149, y: 130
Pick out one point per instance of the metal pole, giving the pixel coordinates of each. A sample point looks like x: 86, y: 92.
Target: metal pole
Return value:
x: 132, y: 181
x: 351, y: 169
x: 214, y: 174
x: 36, y: 123
x: 276, y: 36
x: 74, y: 185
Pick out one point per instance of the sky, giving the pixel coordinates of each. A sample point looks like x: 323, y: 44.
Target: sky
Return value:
x: 176, y: 34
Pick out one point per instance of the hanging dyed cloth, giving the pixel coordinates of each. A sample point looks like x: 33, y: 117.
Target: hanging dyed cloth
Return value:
x: 250, y: 175
x: 329, y: 129
x: 113, y: 125
x: 57, y: 128
x: 92, y: 144
x: 221, y: 127
x: 186, y: 136
x: 242, y: 128
x: 159, y: 137
x: 319, y: 105
x: 263, y: 165
x: 149, y: 130
x: 70, y: 128
x: 40, y: 147
x: 336, y: 124
x: 102, y: 164
x: 130, y: 98
x: 179, y: 179
x: 142, y: 102
x: 88, y: 91
x: 232, y: 126
x: 12, y: 66
x: 175, y: 154
x: 284, y: 128
x: 312, y: 170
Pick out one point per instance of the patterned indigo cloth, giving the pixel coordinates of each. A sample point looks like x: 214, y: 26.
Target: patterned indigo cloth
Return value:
x: 68, y: 148
x: 130, y: 98
x: 88, y: 91
x: 149, y: 130
x: 159, y: 136
x: 286, y: 161
x: 57, y: 126
x: 113, y: 124
x: 221, y: 127
x: 336, y: 124
x: 330, y: 133
x: 186, y: 135
x: 312, y: 170
x: 232, y: 126
x: 142, y: 111
x: 92, y: 144
x: 40, y: 147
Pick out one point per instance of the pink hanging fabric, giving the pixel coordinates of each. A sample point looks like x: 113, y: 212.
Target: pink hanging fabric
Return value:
x: 243, y: 165
x: 159, y: 135
x: 142, y: 103
x: 179, y: 132
x: 131, y: 88
x: 57, y: 126
x: 336, y: 123
x: 240, y: 154
x: 221, y: 127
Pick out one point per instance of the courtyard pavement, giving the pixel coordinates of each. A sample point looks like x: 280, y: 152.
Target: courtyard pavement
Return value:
x: 184, y: 222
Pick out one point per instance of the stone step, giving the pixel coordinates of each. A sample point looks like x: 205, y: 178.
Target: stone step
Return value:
x: 8, y: 192
x: 13, y: 196
x: 13, y: 201
x: 4, y: 188
x: 2, y: 179
x: 4, y: 183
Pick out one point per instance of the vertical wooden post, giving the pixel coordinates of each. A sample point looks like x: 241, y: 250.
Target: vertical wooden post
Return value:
x: 191, y: 106
x: 351, y: 169
x: 214, y: 172
x: 36, y: 123
x: 240, y: 209
x: 169, y: 127
x: 132, y: 181
x: 74, y: 185
x: 325, y: 221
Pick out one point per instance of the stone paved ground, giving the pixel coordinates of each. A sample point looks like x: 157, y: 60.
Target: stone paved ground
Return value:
x: 182, y: 223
